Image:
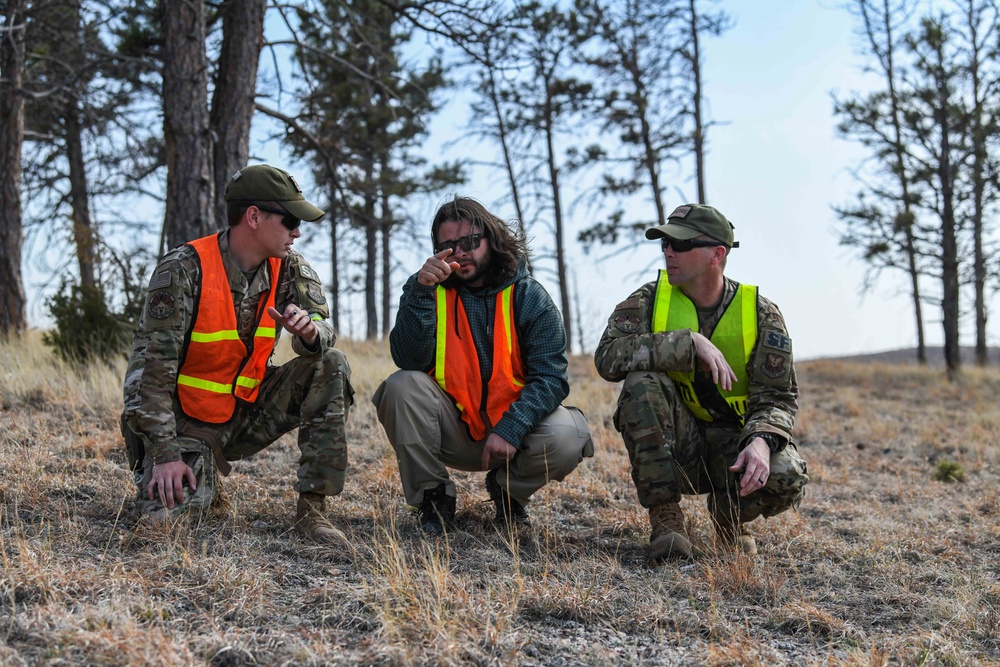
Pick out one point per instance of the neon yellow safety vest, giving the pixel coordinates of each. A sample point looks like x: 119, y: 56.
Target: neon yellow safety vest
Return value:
x: 734, y: 335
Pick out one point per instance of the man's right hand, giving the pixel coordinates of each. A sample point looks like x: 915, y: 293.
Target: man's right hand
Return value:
x: 436, y: 270
x: 713, y: 359
x: 168, y: 480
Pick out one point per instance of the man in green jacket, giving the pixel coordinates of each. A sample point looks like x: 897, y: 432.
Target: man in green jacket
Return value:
x: 709, y: 394
x: 483, y: 353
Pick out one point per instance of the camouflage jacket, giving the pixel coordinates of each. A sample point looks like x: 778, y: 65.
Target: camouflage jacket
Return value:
x: 151, y: 406
x: 540, y: 333
x: 628, y: 345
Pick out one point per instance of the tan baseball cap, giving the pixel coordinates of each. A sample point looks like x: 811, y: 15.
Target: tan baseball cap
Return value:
x: 693, y: 220
x: 262, y: 182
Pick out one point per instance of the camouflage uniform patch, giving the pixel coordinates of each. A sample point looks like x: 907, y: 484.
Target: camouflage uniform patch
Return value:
x: 627, y: 322
x: 161, y: 305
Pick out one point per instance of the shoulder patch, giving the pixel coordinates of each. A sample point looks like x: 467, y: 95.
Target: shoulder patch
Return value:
x: 307, y: 272
x: 777, y: 341
x: 160, y: 280
x: 627, y: 322
x: 161, y: 305
x: 774, y: 365
x: 315, y: 293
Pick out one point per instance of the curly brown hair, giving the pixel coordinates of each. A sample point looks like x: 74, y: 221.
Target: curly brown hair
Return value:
x: 507, y: 244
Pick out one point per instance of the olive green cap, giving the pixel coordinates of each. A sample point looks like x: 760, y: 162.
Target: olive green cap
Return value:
x: 262, y: 182
x: 693, y: 220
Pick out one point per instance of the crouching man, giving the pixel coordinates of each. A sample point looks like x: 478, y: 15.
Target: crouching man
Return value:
x: 483, y: 353
x: 200, y: 390
x: 709, y: 394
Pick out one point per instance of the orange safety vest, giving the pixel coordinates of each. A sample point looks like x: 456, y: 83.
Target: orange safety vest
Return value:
x: 456, y: 364
x: 218, y: 368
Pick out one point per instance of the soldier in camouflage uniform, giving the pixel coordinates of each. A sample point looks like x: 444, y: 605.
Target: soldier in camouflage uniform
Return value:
x: 184, y: 422
x: 709, y: 394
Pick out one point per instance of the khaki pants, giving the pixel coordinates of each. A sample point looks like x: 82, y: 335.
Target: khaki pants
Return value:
x: 428, y: 435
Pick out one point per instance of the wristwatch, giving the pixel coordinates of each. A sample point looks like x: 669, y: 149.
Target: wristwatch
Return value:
x: 775, y: 443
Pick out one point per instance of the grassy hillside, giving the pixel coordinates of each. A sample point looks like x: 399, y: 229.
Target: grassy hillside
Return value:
x: 884, y: 565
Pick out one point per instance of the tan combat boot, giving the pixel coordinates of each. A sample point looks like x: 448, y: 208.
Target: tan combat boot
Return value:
x: 668, y: 539
x: 312, y: 522
x: 731, y: 532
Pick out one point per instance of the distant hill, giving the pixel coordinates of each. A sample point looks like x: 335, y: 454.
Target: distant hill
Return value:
x: 935, y: 356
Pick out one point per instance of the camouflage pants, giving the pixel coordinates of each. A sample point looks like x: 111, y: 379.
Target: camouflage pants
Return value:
x: 673, y: 454
x: 309, y: 393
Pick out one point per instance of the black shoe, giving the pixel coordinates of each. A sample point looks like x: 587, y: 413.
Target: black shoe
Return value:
x: 509, y: 511
x: 437, y: 511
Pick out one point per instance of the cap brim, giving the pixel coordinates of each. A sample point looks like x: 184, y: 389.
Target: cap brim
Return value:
x: 674, y: 230
x: 303, y: 210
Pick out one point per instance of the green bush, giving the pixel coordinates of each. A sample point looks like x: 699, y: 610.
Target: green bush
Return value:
x: 949, y: 471
x: 85, y: 328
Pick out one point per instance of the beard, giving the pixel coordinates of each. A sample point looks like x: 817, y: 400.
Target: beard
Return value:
x: 480, y: 269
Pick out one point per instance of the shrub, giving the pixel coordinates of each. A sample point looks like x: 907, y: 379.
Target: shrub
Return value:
x: 949, y: 471
x: 85, y: 328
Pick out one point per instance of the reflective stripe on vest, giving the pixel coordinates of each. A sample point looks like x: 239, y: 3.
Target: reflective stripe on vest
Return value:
x: 218, y: 369
x: 734, y: 335
x: 456, y: 362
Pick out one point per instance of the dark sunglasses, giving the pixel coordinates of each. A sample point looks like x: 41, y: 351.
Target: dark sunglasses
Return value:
x: 465, y: 244
x: 686, y: 246
x: 288, y: 220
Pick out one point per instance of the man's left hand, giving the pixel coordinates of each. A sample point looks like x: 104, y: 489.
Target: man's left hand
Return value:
x: 756, y: 459
x: 496, y: 451
x: 297, y: 322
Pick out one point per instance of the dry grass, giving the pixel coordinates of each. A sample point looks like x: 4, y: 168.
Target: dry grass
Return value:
x: 884, y: 565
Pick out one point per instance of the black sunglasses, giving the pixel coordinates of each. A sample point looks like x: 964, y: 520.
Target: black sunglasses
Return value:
x: 466, y: 244
x: 288, y: 220
x: 687, y: 245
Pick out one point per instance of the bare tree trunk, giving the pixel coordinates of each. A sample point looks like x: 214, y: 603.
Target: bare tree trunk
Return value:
x: 508, y: 159
x: 334, y: 266
x: 190, y: 205
x: 386, y: 266
x: 699, y: 135
x: 567, y: 314
x: 973, y: 16
x: 235, y: 88
x: 83, y: 228
x: 906, y: 219
x: 949, y: 237
x: 650, y: 155
x: 371, y: 254
x: 13, y: 306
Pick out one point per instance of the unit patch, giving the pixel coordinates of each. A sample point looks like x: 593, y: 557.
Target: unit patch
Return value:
x: 777, y: 341
x: 627, y: 323
x: 161, y: 305
x: 307, y: 272
x: 774, y: 365
x: 315, y: 293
